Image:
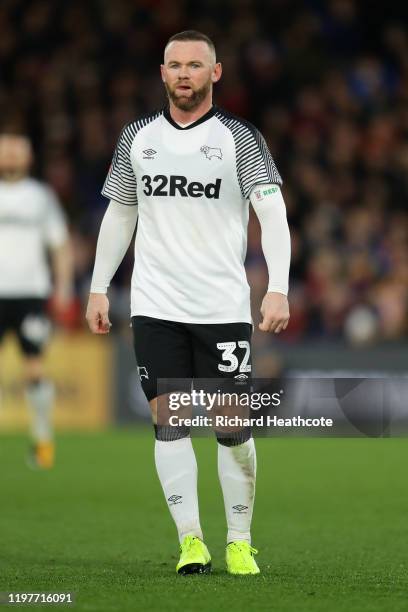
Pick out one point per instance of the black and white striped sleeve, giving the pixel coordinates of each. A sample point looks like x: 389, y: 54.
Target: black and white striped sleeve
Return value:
x: 254, y: 161
x: 255, y: 164
x: 120, y: 183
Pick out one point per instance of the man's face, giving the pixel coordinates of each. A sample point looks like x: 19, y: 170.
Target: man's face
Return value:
x: 188, y: 72
x: 15, y: 157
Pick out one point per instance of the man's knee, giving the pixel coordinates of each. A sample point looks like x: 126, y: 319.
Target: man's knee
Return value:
x: 164, y: 431
x: 233, y: 438
x: 34, y: 369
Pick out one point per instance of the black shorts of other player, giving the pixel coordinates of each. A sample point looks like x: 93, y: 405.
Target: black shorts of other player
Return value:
x: 167, y: 350
x: 26, y: 318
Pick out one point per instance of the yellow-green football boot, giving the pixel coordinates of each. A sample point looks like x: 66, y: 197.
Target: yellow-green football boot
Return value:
x: 194, y: 557
x: 240, y: 558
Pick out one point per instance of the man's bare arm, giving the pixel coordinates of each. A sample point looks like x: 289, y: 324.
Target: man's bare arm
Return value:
x: 63, y: 271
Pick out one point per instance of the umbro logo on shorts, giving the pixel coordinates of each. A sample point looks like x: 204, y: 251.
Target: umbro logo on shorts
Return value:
x: 178, y: 185
x: 241, y: 377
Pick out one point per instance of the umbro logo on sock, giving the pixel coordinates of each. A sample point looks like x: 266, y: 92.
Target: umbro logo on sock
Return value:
x: 174, y: 499
x: 240, y: 509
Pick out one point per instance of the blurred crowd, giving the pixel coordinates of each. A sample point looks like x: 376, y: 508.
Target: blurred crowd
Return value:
x: 325, y: 82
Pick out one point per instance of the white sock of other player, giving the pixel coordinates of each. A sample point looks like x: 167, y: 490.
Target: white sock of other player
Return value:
x: 40, y: 398
x: 237, y: 474
x: 177, y: 470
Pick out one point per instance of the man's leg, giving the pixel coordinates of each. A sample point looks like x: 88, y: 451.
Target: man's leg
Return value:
x: 176, y: 467
x: 33, y: 331
x: 40, y: 398
x: 223, y: 351
x: 163, y: 351
x: 237, y: 474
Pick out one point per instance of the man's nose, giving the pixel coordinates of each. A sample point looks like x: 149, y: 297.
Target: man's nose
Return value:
x: 184, y: 72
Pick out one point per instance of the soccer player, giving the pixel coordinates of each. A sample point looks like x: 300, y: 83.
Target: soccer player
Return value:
x: 187, y: 173
x: 31, y: 226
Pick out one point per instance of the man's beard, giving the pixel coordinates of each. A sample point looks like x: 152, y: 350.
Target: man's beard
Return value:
x: 11, y: 174
x: 189, y: 103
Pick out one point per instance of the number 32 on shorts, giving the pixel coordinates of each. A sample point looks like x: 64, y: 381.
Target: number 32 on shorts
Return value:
x: 228, y: 355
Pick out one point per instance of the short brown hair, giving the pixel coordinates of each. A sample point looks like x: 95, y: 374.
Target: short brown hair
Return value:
x: 188, y: 35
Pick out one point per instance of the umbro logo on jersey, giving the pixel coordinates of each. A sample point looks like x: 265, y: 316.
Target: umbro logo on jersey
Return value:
x: 175, y: 185
x: 149, y: 153
x: 211, y: 152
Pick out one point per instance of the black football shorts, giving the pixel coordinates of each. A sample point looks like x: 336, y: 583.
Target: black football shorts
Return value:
x: 26, y: 318
x: 170, y: 350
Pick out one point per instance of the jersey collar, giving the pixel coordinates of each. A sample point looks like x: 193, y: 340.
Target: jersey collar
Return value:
x: 207, y: 115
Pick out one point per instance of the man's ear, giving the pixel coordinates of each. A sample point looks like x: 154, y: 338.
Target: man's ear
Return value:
x: 162, y: 73
x: 217, y: 72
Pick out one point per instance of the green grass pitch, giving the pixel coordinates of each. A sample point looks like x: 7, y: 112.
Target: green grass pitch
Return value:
x: 330, y: 523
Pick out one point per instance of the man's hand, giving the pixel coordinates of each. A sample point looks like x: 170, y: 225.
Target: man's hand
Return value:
x: 275, y: 312
x: 97, y: 313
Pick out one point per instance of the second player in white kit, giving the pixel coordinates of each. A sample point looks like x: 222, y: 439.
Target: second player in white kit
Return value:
x: 33, y: 230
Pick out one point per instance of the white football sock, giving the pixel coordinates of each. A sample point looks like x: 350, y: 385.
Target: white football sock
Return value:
x: 40, y: 398
x: 237, y: 474
x: 177, y: 469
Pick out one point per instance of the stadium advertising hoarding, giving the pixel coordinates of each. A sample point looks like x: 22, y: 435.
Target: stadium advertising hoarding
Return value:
x: 80, y: 366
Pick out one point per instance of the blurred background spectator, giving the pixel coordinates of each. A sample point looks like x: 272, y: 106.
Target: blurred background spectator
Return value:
x: 326, y: 83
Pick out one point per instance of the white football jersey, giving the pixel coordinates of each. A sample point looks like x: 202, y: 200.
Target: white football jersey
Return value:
x: 31, y: 220
x: 191, y: 185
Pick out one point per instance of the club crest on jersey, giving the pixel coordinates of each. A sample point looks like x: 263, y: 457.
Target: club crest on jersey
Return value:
x: 211, y: 152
